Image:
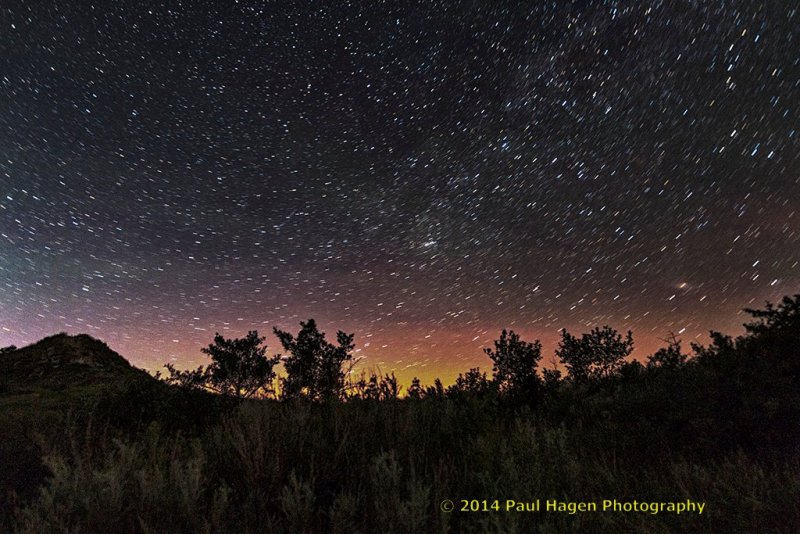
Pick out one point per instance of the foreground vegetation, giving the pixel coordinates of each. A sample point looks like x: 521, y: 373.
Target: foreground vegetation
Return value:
x: 721, y: 426
x: 367, y: 468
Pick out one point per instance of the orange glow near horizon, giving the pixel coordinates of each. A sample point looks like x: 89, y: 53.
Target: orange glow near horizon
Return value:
x: 406, y: 350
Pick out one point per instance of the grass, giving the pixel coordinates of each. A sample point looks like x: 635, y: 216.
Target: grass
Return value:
x: 385, y: 467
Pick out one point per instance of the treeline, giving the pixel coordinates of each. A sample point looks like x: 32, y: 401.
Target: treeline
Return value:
x: 318, y: 370
x: 741, y: 392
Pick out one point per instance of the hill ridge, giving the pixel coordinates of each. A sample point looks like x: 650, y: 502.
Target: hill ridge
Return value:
x: 62, y: 360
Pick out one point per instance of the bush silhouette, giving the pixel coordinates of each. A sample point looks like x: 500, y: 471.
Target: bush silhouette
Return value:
x: 669, y: 357
x: 375, y: 387
x: 473, y: 382
x: 239, y: 367
x: 783, y: 319
x: 415, y: 390
x: 515, y: 362
x: 598, y: 354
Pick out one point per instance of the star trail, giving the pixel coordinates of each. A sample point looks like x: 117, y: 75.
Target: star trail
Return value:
x: 421, y: 174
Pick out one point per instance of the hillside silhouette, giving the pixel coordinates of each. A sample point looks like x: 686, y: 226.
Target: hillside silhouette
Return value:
x: 64, y: 361
x: 95, y: 444
x: 62, y: 384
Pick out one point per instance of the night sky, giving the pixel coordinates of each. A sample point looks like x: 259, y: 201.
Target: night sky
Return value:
x: 421, y: 176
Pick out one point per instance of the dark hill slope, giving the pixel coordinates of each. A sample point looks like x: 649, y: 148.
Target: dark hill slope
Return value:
x: 67, y: 390
x: 63, y: 362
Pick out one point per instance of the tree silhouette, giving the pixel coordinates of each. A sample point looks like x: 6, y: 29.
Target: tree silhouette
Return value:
x: 598, y: 354
x: 515, y: 362
x: 785, y: 318
x: 722, y: 347
x: 239, y: 367
x: 771, y: 339
x: 669, y: 357
x: 314, y: 367
x: 473, y: 382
